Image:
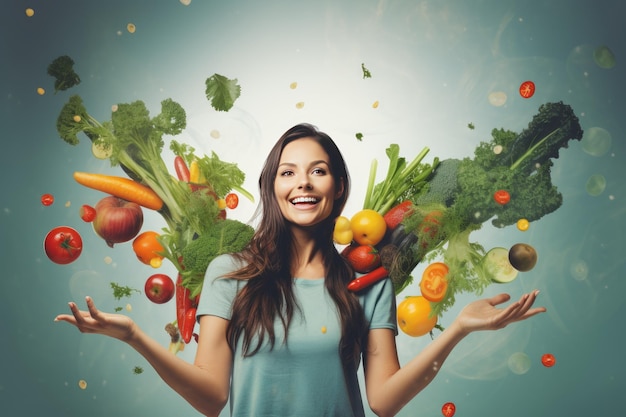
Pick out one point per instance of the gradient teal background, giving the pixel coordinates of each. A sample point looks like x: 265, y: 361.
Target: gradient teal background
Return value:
x: 433, y: 64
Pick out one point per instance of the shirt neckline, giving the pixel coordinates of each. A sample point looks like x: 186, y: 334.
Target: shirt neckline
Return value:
x: 308, y: 281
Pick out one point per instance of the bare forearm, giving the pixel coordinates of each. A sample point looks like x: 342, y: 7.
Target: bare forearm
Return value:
x: 196, y: 385
x: 414, y: 376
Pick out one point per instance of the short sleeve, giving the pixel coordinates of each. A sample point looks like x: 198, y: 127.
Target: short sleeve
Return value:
x: 379, y: 306
x: 218, y: 292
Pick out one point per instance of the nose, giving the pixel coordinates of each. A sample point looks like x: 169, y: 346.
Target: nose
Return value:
x: 305, y: 184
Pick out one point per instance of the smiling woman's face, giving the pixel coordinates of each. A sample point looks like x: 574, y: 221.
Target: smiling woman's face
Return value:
x: 304, y: 187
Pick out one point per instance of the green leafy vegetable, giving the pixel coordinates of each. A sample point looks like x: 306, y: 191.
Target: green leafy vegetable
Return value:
x: 463, y: 192
x: 226, y: 236
x: 222, y: 92
x: 120, y: 291
x: 399, y: 180
x: 135, y: 142
x: 62, y: 69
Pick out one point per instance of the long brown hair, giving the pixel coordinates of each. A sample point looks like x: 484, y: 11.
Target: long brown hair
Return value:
x: 268, y: 293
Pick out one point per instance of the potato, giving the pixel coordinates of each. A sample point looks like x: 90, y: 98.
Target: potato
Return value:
x: 523, y: 257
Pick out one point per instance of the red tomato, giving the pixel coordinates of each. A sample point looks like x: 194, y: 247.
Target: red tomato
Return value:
x: 63, y: 245
x: 362, y: 258
x: 232, y: 201
x: 527, y: 89
x: 448, y: 409
x: 87, y: 213
x: 434, y: 284
x: 47, y: 199
x: 548, y: 360
x: 502, y: 197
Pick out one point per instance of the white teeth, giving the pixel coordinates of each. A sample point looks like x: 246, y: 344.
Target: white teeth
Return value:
x: 304, y: 200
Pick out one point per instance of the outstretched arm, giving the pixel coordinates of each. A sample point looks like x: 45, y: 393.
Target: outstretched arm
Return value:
x: 390, y: 387
x: 204, y: 384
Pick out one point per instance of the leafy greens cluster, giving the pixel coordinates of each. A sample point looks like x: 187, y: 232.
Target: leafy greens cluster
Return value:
x: 462, y: 192
x: 134, y: 141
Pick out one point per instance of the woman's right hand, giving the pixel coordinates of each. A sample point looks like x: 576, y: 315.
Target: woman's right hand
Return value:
x: 94, y: 321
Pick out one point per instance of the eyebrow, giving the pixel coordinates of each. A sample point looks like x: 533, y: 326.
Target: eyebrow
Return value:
x: 313, y: 163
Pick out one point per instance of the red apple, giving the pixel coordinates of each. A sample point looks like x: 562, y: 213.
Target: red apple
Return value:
x: 159, y: 288
x: 117, y: 220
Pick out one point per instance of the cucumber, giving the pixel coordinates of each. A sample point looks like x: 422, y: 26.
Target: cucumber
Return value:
x: 498, y: 267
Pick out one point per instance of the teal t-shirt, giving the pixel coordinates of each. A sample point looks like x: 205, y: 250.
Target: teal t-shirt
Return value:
x: 303, y: 377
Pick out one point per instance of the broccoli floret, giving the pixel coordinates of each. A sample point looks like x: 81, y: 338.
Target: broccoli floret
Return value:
x: 442, y: 185
x: 227, y: 236
x: 62, y: 69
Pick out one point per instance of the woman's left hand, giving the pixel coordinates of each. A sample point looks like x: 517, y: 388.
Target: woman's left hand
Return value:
x: 484, y: 315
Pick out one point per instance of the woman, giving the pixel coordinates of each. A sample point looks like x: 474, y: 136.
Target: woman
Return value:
x: 279, y: 333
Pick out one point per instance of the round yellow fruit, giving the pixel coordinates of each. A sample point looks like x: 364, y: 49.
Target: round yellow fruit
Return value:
x: 368, y: 227
x: 414, y: 316
x: 342, y: 233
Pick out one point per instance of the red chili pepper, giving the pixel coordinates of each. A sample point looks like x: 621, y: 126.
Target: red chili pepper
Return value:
x: 190, y: 320
x: 185, y: 310
x: 368, y: 279
x: 181, y: 169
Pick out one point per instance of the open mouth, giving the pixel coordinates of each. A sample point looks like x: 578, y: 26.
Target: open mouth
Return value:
x: 304, y: 200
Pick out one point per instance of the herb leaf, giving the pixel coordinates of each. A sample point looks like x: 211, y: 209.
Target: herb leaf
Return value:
x: 222, y: 92
x: 122, y: 291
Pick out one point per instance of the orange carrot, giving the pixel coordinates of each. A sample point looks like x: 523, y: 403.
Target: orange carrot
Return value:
x: 121, y: 187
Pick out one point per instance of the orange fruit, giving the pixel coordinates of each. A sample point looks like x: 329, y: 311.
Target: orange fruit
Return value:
x: 368, y: 227
x: 414, y: 316
x: 362, y: 258
x: 146, y: 247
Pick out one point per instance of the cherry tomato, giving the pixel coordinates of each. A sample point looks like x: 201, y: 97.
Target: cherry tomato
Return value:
x: 232, y: 201
x: 63, y: 245
x: 47, y: 199
x: 434, y: 284
x: 527, y: 89
x: 502, y: 197
x: 448, y: 409
x: 87, y: 213
x: 548, y: 360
